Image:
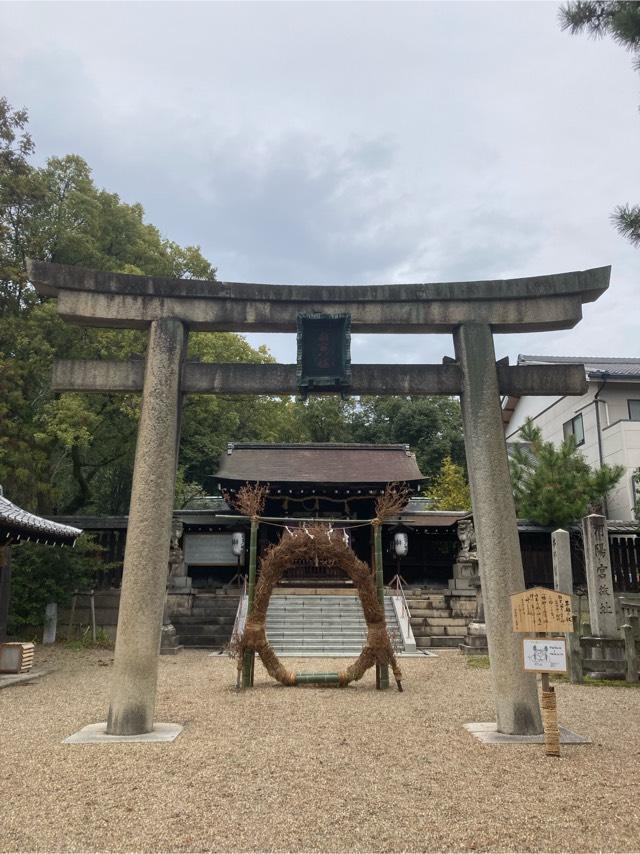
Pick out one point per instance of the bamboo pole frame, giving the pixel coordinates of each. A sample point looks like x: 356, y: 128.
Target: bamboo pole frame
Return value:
x: 250, y: 656
x: 382, y: 670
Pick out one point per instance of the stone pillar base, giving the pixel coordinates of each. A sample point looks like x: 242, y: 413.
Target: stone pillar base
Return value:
x: 603, y: 658
x: 475, y: 642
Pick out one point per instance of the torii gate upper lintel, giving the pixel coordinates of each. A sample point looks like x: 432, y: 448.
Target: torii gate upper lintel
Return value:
x: 535, y: 303
x: 471, y: 311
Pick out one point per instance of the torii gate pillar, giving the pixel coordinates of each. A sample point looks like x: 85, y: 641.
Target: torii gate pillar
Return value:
x: 494, y: 516
x: 146, y: 557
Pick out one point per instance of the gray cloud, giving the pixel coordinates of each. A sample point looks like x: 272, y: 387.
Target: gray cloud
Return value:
x: 351, y: 142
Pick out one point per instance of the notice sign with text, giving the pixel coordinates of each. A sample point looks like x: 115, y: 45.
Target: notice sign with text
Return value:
x: 546, y: 655
x: 541, y: 610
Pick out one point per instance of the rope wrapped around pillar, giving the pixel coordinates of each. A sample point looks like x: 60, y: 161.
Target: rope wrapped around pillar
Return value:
x: 550, y: 723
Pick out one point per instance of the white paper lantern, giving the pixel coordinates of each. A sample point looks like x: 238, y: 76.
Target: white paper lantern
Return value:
x: 237, y: 543
x: 401, y: 544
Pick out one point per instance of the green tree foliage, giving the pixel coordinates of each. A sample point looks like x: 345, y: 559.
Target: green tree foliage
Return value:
x: 619, y: 19
x: 74, y: 453
x: 555, y: 485
x: 431, y: 425
x: 42, y: 574
x: 450, y: 490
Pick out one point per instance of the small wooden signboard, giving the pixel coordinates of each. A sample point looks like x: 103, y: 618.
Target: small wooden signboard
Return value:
x: 541, y: 610
x: 545, y: 655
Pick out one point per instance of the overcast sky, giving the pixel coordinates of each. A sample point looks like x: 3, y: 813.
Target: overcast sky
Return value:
x: 351, y: 143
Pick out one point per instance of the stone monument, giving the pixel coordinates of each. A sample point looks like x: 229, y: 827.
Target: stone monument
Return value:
x: 179, y: 581
x: 466, y: 578
x: 178, y: 585
x: 561, y: 556
x: 563, y: 583
x: 465, y: 569
x: 602, y: 603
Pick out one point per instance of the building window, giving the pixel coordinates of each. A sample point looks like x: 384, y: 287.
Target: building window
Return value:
x: 634, y: 410
x: 574, y: 428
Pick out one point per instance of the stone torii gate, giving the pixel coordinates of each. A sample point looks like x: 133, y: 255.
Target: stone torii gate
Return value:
x: 471, y: 311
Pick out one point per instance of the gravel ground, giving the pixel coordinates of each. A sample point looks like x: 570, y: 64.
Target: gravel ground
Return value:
x: 310, y: 769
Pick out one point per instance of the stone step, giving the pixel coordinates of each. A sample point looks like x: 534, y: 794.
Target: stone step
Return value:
x: 299, y: 624
x: 329, y: 631
x: 426, y: 602
x: 450, y: 641
x: 447, y: 621
x: 319, y: 612
x: 204, y: 641
x: 316, y: 615
x: 293, y: 648
x: 192, y: 620
x: 429, y: 631
x: 203, y: 630
x: 465, y: 649
x: 476, y: 641
x: 314, y: 644
x: 212, y: 613
x: 459, y: 622
x: 467, y: 613
x: 320, y: 651
x: 429, y: 612
x: 316, y: 624
x: 317, y: 601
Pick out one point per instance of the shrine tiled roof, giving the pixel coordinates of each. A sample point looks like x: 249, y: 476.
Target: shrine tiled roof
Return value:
x: 344, y: 464
x: 17, y: 524
x: 596, y: 367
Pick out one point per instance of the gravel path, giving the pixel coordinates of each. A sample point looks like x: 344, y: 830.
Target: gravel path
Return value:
x: 310, y: 769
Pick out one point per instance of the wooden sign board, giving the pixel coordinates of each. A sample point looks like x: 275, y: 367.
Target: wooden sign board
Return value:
x: 545, y: 655
x: 541, y: 610
x: 210, y: 550
x: 324, y: 352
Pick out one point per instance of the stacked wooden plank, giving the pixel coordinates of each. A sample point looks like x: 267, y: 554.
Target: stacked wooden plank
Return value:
x: 16, y: 657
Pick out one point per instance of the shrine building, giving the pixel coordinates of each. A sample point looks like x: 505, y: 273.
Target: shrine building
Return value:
x: 332, y: 481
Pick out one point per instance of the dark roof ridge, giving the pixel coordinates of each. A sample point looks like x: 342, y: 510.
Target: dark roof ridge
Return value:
x: 586, y: 360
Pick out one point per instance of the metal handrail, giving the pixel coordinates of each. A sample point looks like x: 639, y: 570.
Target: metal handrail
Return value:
x: 398, y: 579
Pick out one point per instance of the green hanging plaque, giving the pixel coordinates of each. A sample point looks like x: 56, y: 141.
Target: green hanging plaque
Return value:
x: 324, y: 352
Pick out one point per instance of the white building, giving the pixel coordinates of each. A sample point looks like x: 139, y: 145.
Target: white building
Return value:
x: 605, y: 421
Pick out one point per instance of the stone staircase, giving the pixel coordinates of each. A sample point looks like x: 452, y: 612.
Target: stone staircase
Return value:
x: 297, y: 624
x: 322, y: 625
x: 439, y: 618
x: 210, y: 623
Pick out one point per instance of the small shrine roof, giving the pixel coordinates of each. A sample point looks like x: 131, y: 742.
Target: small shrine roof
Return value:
x: 343, y: 464
x: 17, y: 524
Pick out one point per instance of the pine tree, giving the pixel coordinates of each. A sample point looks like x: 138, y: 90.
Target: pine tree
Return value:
x: 555, y: 486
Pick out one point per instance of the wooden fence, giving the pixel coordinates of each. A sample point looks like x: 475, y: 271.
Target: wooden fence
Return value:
x: 625, y: 563
x: 538, y: 564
